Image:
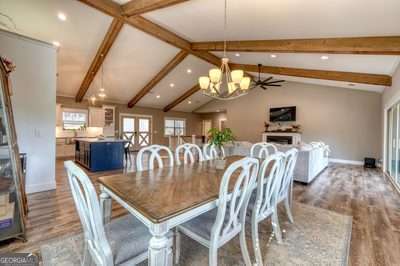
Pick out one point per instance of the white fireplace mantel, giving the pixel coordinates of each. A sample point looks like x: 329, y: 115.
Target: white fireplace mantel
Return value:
x: 296, y: 137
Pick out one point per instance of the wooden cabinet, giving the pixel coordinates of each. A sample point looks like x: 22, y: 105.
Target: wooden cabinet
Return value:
x: 63, y: 149
x: 96, y: 117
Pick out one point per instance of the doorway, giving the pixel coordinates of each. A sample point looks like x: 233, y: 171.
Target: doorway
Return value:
x: 136, y: 129
x: 207, y: 124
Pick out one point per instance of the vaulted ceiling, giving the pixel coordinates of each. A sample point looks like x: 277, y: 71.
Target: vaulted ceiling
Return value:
x: 143, y: 66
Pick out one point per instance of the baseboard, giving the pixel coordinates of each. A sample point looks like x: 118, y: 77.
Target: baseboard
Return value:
x: 40, y: 187
x: 396, y: 187
x: 334, y: 160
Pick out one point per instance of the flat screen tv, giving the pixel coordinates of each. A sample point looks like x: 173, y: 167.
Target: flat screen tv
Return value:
x: 282, y: 114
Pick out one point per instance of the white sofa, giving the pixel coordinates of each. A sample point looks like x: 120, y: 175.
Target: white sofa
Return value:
x: 311, y: 161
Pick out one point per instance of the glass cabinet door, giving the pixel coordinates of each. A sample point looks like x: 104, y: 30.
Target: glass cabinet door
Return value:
x: 11, y: 188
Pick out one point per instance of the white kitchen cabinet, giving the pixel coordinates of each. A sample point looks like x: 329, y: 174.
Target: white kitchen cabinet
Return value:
x: 109, y: 125
x: 64, y: 150
x: 59, y: 120
x: 96, y: 117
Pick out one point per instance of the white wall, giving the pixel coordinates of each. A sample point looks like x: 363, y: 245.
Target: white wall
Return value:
x: 348, y: 120
x: 34, y: 106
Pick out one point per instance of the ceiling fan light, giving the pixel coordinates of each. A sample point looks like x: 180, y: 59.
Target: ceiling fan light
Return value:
x: 204, y: 82
x: 245, y: 83
x: 215, y: 75
x: 237, y: 75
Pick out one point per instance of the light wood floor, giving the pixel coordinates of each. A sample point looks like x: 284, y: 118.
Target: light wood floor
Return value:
x: 364, y: 194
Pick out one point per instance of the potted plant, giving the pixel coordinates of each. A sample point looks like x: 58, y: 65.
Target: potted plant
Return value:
x: 219, y: 138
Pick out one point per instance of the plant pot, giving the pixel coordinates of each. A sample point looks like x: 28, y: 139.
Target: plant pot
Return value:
x: 220, y: 164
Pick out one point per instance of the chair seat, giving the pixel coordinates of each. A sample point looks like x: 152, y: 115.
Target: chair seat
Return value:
x: 128, y: 238
x: 200, y: 227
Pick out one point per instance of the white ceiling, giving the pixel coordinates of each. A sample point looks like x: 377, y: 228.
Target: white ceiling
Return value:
x: 133, y: 60
x: 202, y: 20
x: 182, y: 81
x: 136, y: 57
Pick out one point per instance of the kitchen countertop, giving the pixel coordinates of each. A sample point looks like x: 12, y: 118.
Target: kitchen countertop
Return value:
x: 95, y: 140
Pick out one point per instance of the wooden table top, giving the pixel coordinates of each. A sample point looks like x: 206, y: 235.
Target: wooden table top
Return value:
x: 163, y: 193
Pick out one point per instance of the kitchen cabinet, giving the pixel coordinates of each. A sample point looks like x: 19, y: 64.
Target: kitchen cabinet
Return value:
x: 59, y: 120
x: 100, y: 155
x: 96, y: 117
x: 109, y: 125
x: 63, y: 149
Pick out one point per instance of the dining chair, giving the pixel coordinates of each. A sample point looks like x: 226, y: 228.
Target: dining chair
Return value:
x: 263, y: 150
x: 122, y: 242
x: 154, y: 155
x: 263, y: 202
x: 188, y: 154
x: 215, y: 228
x: 285, y: 193
x: 210, y: 151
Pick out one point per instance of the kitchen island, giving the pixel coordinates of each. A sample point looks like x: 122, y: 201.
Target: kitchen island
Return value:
x: 100, y: 154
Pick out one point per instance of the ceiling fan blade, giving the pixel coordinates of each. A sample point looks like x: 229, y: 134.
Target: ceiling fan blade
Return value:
x: 263, y: 87
x: 267, y: 79
x: 274, y: 85
x: 275, y: 81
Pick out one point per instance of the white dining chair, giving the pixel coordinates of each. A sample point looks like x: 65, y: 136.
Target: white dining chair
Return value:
x: 210, y: 151
x: 215, y: 228
x: 262, y: 150
x: 153, y: 152
x: 188, y: 153
x: 263, y: 203
x: 124, y: 241
x: 285, y: 193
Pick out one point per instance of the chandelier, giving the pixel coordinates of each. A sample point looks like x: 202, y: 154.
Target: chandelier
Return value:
x: 222, y: 83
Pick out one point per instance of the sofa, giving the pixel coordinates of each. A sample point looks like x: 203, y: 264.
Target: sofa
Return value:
x: 312, y: 158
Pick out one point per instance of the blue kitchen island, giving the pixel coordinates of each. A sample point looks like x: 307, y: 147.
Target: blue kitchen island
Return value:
x: 100, y: 154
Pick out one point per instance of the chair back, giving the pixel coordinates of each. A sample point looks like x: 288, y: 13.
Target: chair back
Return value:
x: 262, y: 150
x: 188, y: 154
x: 232, y: 206
x: 89, y: 211
x: 210, y: 151
x: 268, y: 182
x: 154, y: 155
x: 288, y: 170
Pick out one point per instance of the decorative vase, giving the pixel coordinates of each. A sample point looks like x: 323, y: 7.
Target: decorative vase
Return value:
x: 220, y: 163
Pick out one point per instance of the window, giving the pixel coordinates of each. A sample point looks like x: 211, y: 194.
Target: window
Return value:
x: 74, y: 119
x: 175, y: 127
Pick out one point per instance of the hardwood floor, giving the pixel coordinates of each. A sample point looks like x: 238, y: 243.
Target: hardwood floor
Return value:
x: 364, y: 194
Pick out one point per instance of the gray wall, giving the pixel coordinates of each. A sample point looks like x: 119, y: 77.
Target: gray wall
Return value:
x: 348, y: 120
x: 34, y: 106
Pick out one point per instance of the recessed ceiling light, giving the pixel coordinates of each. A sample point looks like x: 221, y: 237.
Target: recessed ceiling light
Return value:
x: 217, y: 110
x: 189, y: 71
x: 189, y: 102
x: 237, y: 54
x: 324, y: 57
x: 55, y: 43
x: 61, y: 16
x: 172, y: 85
x: 158, y: 96
x: 273, y: 55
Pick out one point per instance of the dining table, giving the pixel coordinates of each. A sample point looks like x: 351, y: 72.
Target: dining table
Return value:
x: 163, y: 198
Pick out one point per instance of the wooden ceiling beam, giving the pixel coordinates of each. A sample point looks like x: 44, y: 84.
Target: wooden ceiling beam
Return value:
x: 183, y: 97
x: 381, y: 45
x: 137, y: 7
x: 160, y: 75
x: 352, y: 77
x: 105, y: 46
x: 106, y: 6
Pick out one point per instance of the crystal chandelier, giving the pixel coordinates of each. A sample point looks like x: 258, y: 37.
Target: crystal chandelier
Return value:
x: 222, y: 83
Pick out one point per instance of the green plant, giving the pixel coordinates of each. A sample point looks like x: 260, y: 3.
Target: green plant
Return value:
x: 220, y: 137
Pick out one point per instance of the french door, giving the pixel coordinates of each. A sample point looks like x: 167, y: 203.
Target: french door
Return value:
x: 393, y: 143
x: 136, y: 129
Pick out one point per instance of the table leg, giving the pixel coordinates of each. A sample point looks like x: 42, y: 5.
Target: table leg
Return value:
x: 105, y: 204
x: 160, y: 247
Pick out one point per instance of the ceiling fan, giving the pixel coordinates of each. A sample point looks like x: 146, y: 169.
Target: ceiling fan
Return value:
x: 268, y: 82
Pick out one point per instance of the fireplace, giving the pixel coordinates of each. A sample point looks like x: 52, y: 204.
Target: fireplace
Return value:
x: 280, y: 139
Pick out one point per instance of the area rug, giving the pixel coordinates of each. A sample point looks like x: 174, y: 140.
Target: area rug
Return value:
x: 318, y: 237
